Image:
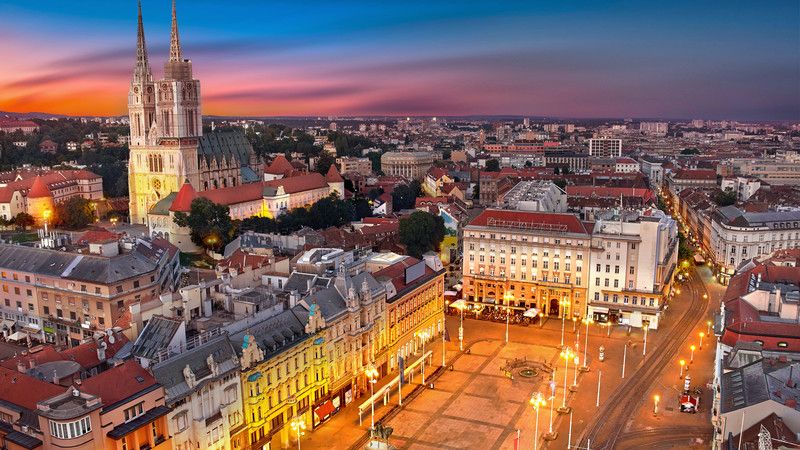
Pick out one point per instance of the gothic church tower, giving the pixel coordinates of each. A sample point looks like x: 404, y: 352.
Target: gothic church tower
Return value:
x: 142, y: 95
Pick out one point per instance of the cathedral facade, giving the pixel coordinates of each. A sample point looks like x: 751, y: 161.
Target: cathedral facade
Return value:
x: 167, y: 145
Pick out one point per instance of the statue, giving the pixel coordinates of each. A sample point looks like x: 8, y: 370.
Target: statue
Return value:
x: 379, y: 438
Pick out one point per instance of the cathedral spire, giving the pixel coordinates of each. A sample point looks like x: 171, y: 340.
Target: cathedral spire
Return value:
x: 142, y: 64
x: 174, y: 42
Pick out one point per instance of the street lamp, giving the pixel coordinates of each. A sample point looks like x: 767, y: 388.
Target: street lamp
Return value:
x: 563, y: 306
x: 423, y: 335
x: 588, y: 321
x: 372, y: 373
x: 508, y: 297
x: 460, y: 305
x: 656, y: 398
x: 46, y: 215
x: 682, y: 363
x: 708, y: 326
x: 298, y: 426
x: 574, y: 386
x: 645, y: 328
x: 541, y: 320
x: 567, y: 354
x: 702, y: 335
x: 691, y: 359
x: 537, y: 400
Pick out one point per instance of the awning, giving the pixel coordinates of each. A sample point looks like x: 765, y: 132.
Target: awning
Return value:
x: 599, y: 309
x: 324, y: 410
x: 17, y: 336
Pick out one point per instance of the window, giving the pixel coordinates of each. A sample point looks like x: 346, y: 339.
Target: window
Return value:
x: 616, y: 269
x: 783, y: 344
x: 70, y: 430
x: 631, y: 270
x: 134, y: 411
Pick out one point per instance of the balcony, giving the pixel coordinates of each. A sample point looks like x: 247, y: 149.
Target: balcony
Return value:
x: 214, y: 418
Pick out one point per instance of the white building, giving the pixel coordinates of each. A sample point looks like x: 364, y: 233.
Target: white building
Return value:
x: 744, y: 187
x: 654, y: 128
x: 631, y: 276
x: 626, y: 165
x: 536, y: 195
x: 653, y: 170
x: 737, y: 236
x: 605, y: 148
x: 203, y: 389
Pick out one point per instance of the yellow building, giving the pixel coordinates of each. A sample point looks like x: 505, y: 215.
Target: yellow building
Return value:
x: 283, y: 374
x: 414, y: 304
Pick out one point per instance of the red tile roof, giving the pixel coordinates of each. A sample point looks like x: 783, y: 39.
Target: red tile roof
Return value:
x: 696, y: 174
x: 235, y: 194
x: 119, y: 383
x: 299, y: 183
x: 39, y: 189
x: 183, y: 201
x: 333, y: 175
x: 24, y: 390
x: 279, y: 166
x: 86, y: 354
x: 396, y: 273
x: 606, y: 191
x: 556, y: 222
x: 97, y: 236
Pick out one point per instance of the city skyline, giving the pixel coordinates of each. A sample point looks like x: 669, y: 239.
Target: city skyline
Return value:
x: 432, y: 59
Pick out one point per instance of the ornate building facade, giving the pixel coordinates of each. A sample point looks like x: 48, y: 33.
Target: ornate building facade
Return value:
x: 167, y: 142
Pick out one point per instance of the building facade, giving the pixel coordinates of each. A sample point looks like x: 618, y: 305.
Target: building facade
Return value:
x: 167, y: 143
x: 605, y: 148
x: 411, y: 165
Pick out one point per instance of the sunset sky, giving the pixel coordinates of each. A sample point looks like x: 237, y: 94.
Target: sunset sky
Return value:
x: 698, y: 59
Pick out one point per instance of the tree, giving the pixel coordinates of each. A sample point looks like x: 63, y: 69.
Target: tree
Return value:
x: 528, y: 164
x: 561, y: 183
x: 24, y: 220
x: 362, y: 208
x: 210, y: 224
x: 690, y: 151
x: 725, y: 198
x: 405, y: 195
x: 685, y: 252
x: 476, y: 191
x: 324, y: 162
x: 75, y: 213
x: 421, y: 232
x: 492, y: 165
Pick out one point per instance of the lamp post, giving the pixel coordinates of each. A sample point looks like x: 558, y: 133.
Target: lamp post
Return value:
x: 691, y: 359
x: 508, y: 297
x: 372, y: 373
x: 541, y: 320
x: 537, y: 400
x: 563, y: 304
x: 708, y: 327
x: 298, y: 426
x: 645, y: 328
x: 587, y: 321
x: 567, y: 354
x: 702, y: 335
x: 423, y: 335
x: 574, y: 386
x: 656, y: 398
x: 46, y: 215
x: 552, y: 435
x: 682, y: 363
x: 460, y: 305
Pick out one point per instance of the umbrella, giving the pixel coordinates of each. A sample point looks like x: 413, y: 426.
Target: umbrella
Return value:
x: 17, y: 336
x: 533, y: 312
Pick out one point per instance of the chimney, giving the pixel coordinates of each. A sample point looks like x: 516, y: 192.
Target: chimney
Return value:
x: 21, y: 367
x: 31, y: 363
x: 55, y: 377
x: 101, y: 351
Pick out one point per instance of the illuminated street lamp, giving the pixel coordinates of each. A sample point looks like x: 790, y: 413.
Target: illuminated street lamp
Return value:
x: 691, y: 359
x: 574, y: 386
x: 563, y: 305
x: 656, y: 398
x: 682, y: 363
x: 508, y: 297
x: 587, y: 321
x: 567, y: 354
x: 372, y: 373
x: 537, y: 401
x: 46, y: 215
x: 708, y: 326
x: 299, y: 426
x: 702, y: 335
x: 460, y: 305
x: 423, y: 335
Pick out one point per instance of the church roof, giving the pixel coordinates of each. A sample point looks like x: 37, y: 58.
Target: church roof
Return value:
x: 183, y: 201
x: 333, y: 175
x: 39, y: 189
x: 224, y: 146
x: 295, y: 184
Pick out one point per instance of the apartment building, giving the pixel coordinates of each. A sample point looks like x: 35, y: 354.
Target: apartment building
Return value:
x: 350, y: 165
x: 414, y: 304
x: 737, y: 236
x: 411, y: 165
x: 538, y: 260
x: 631, y: 273
x: 535, y: 195
x: 782, y: 169
x: 63, y: 297
x: 605, y: 148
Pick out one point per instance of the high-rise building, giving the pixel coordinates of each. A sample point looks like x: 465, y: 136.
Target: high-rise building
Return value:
x: 654, y: 128
x: 605, y: 148
x: 167, y: 141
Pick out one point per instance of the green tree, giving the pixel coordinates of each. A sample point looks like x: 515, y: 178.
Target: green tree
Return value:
x: 492, y: 165
x: 421, y: 232
x: 725, y: 198
x: 324, y: 162
x: 362, y: 208
x: 405, y: 195
x: 75, y: 213
x: 24, y: 220
x: 476, y: 191
x: 210, y: 224
x: 690, y: 151
x: 560, y: 182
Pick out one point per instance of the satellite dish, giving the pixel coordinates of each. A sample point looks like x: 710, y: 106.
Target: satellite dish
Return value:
x: 111, y: 339
x: 109, y: 332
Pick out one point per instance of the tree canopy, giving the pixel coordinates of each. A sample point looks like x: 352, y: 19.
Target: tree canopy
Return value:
x: 328, y: 212
x: 324, y: 162
x: 492, y: 165
x: 421, y: 232
x: 725, y: 198
x: 75, y: 213
x: 210, y: 224
x: 405, y: 196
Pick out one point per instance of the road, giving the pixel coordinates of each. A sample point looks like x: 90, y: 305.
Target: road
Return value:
x: 605, y: 430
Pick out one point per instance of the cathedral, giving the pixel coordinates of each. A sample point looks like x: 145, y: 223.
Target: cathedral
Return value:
x: 167, y: 146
